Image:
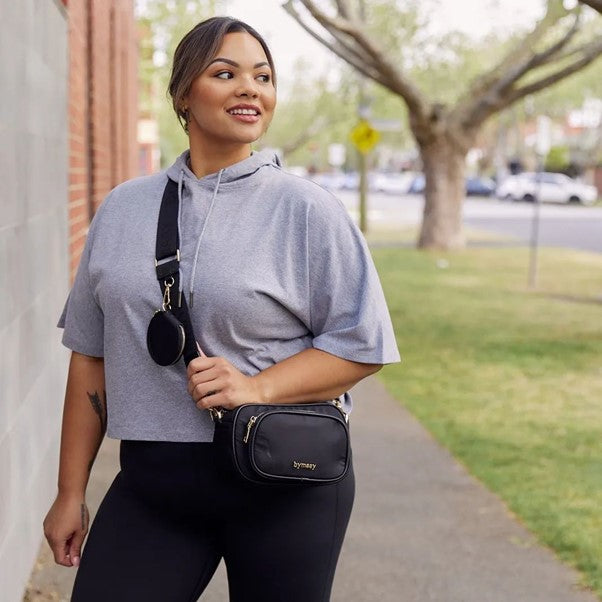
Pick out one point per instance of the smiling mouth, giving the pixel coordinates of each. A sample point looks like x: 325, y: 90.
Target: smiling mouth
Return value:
x: 242, y: 110
x: 245, y: 117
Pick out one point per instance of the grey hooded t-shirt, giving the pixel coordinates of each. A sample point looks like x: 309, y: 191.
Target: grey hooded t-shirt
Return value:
x: 275, y: 264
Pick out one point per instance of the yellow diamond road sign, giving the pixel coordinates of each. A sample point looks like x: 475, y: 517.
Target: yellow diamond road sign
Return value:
x: 364, y: 136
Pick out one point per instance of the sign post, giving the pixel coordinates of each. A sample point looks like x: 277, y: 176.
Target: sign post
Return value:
x: 364, y: 137
x: 543, y: 144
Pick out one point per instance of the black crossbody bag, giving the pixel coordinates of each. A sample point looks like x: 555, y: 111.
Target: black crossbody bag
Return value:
x: 267, y: 443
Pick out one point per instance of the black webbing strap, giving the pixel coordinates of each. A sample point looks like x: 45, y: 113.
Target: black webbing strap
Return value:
x: 167, y: 264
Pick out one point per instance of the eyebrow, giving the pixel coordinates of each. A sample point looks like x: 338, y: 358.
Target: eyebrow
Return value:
x: 235, y: 64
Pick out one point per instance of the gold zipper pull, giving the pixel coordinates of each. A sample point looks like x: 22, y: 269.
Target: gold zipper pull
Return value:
x: 249, y: 427
x: 339, y: 405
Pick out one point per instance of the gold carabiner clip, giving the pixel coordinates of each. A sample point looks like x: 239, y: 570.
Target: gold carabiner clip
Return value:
x: 166, y: 294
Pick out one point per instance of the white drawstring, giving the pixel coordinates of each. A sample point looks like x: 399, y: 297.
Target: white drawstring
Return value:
x: 198, y: 244
x: 180, y: 184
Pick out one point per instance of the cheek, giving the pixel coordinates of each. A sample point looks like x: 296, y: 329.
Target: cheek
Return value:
x: 270, y: 101
x: 204, y: 95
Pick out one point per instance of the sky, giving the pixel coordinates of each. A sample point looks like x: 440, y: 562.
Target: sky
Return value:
x: 287, y: 39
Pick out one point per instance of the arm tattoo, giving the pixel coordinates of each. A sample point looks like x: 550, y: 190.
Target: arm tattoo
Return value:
x: 100, y: 408
x: 84, y: 516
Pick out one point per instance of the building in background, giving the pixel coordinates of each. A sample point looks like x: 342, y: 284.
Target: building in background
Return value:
x: 149, y: 154
x: 103, y: 108
x: 68, y: 117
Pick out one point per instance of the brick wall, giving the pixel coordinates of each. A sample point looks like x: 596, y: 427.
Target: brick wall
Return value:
x: 103, y: 111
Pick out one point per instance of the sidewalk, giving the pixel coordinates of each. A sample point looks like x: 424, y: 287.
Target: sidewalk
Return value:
x: 422, y: 528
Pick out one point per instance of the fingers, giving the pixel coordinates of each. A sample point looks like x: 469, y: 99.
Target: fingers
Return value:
x: 214, y: 381
x: 198, y: 364
x: 203, y: 392
x: 65, y: 528
x: 197, y: 381
x: 216, y: 371
x: 215, y: 400
x: 76, y: 545
x: 60, y: 550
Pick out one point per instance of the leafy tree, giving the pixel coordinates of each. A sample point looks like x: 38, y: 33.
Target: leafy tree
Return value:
x: 165, y: 23
x: 557, y: 159
x: 445, y: 118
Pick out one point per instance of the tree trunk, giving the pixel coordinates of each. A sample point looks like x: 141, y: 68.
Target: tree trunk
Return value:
x: 443, y: 164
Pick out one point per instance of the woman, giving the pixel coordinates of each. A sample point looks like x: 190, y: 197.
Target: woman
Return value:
x: 286, y: 306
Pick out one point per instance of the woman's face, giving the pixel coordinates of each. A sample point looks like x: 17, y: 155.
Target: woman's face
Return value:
x: 239, y: 75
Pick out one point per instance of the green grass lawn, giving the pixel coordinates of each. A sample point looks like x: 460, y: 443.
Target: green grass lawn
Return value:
x: 509, y: 380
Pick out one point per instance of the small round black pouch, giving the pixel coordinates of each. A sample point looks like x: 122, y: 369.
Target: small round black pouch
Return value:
x: 165, y: 338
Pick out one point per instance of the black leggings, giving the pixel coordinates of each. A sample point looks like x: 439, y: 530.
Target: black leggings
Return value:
x: 175, y: 509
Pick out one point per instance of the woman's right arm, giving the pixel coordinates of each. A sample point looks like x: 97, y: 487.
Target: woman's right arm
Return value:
x: 84, y: 426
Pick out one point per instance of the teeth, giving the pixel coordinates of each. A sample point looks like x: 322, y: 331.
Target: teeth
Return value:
x: 243, y: 112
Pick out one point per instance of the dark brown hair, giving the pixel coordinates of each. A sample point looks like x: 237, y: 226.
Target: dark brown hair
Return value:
x: 197, y: 49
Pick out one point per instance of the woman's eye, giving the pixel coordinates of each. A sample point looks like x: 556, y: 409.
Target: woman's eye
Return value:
x: 265, y: 76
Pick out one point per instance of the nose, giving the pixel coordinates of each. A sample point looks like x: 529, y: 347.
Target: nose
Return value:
x: 248, y: 88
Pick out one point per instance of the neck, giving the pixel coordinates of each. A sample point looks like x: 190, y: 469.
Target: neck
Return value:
x: 205, y: 159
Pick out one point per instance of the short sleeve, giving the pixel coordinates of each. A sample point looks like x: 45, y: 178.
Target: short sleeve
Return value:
x: 82, y: 318
x: 348, y: 312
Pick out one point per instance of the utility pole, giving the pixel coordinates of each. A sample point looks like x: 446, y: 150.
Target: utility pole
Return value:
x: 542, y: 148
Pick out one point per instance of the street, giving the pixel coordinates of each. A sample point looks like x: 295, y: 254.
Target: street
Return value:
x: 571, y: 226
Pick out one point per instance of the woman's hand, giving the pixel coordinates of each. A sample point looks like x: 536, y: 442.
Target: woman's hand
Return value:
x: 214, y: 381
x: 65, y: 528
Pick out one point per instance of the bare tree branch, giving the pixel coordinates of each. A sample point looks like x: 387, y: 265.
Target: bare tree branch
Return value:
x: 538, y: 59
x: 595, y: 4
x: 489, y: 104
x: 343, y: 8
x: 478, y: 109
x: 516, y: 56
x: 340, y: 33
x: 595, y: 49
x: 372, y: 62
x: 353, y: 58
x: 567, y: 54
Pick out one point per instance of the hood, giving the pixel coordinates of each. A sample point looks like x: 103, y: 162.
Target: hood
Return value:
x: 180, y: 170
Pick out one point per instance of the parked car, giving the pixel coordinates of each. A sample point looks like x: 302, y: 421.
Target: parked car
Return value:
x: 480, y: 186
x: 474, y: 186
x: 417, y: 185
x: 329, y: 180
x: 392, y: 183
x: 551, y: 188
x: 351, y: 181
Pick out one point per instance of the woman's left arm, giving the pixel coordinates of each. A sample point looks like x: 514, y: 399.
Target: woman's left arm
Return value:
x: 310, y: 375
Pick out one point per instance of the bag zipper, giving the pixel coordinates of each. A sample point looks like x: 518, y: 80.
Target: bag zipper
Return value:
x: 339, y: 405
x: 250, y: 424
x: 253, y: 419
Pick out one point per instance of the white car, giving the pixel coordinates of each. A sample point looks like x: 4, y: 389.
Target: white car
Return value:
x: 392, y: 183
x: 548, y: 187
